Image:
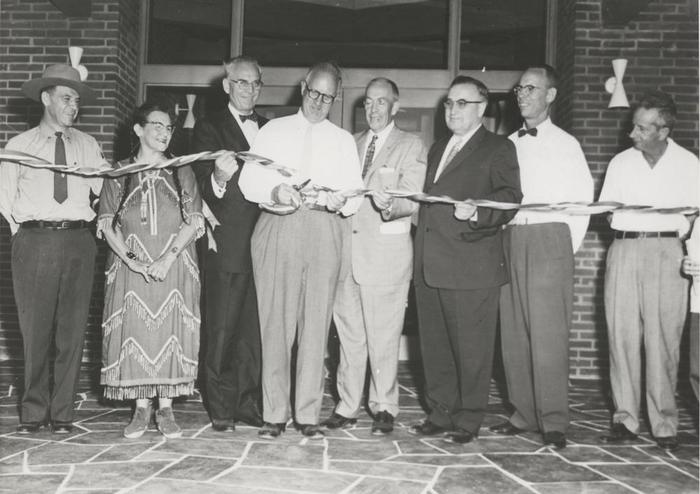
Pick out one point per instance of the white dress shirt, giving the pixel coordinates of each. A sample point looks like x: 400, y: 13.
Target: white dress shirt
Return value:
x: 455, y: 140
x: 332, y: 160
x: 553, y: 169
x: 672, y: 182
x: 250, y: 131
x: 27, y: 193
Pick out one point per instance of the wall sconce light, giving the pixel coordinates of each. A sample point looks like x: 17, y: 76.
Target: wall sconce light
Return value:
x: 189, y: 118
x: 75, y: 53
x: 614, y: 85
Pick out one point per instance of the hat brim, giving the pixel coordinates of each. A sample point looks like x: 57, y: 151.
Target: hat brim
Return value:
x: 32, y: 88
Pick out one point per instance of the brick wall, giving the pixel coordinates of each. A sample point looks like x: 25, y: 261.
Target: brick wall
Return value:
x: 34, y: 34
x: 661, y: 45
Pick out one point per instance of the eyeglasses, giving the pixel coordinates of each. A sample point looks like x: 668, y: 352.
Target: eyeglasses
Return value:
x: 378, y: 101
x: 460, y: 103
x: 160, y: 127
x: 524, y: 90
x: 314, y: 95
x: 243, y: 84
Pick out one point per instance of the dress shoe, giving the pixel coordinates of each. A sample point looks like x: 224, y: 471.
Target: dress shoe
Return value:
x: 460, y: 436
x: 383, y: 423
x: 337, y: 421
x: 223, y: 426
x: 426, y: 428
x: 61, y: 427
x: 669, y: 443
x: 29, y: 427
x: 554, y: 438
x: 506, y: 428
x: 619, y: 434
x: 270, y: 430
x: 312, y: 431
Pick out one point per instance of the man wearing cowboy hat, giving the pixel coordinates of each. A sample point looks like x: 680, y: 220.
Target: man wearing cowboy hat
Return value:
x: 53, y: 251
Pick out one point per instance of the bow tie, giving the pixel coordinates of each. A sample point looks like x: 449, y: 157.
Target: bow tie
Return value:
x: 532, y: 132
x: 253, y: 117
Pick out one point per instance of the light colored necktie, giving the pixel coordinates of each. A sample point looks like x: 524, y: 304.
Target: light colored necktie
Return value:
x: 369, y: 156
x: 60, y: 180
x: 453, y: 152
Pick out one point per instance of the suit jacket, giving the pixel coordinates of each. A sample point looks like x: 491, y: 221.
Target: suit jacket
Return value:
x: 466, y: 255
x: 236, y: 215
x: 382, y: 250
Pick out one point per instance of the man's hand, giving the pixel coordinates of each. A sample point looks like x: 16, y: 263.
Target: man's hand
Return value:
x: 335, y: 201
x: 224, y: 168
x: 382, y: 200
x: 464, y: 211
x: 286, y: 195
x: 690, y: 267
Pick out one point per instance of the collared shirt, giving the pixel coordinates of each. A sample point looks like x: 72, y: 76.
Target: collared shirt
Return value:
x: 26, y: 193
x: 333, y: 160
x: 249, y: 128
x: 672, y: 182
x: 553, y: 169
x: 250, y: 131
x: 455, y: 140
x: 382, y: 136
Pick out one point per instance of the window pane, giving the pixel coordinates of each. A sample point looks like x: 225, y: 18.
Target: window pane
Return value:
x: 502, y: 34
x: 196, y: 32
x: 354, y: 33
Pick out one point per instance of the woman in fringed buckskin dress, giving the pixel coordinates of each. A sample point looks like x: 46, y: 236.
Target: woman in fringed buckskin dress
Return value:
x: 151, y: 315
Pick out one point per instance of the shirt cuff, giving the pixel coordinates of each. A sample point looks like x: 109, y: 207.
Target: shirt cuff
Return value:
x: 218, y: 191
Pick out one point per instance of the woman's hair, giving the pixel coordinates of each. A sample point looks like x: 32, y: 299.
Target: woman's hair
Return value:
x: 141, y: 118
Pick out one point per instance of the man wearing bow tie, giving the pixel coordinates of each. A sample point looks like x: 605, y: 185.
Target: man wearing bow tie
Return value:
x: 536, y: 307
x: 233, y: 360
x: 459, y: 265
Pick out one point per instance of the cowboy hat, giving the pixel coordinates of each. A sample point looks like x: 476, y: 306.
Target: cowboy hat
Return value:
x: 58, y: 75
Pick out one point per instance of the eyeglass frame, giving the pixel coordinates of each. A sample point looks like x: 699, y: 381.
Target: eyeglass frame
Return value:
x: 324, y: 97
x: 461, y: 103
x: 525, y: 90
x: 160, y: 126
x: 255, y: 85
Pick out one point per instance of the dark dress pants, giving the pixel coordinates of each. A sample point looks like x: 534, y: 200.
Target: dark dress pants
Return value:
x: 52, y: 275
x: 457, y: 331
x: 233, y: 347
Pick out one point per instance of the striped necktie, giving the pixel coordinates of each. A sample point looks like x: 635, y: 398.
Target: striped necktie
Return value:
x: 60, y: 180
x: 369, y: 156
x: 453, y: 152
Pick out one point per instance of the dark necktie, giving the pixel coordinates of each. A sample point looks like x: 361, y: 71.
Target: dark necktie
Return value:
x: 60, y: 180
x: 369, y: 156
x: 532, y: 132
x: 253, y: 117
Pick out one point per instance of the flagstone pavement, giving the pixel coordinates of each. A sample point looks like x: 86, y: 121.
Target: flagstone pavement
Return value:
x: 95, y: 458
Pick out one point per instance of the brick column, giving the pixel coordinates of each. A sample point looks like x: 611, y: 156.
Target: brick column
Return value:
x: 661, y: 45
x: 34, y: 34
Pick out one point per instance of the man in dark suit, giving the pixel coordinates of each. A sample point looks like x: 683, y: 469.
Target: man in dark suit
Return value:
x: 459, y: 263
x: 233, y: 360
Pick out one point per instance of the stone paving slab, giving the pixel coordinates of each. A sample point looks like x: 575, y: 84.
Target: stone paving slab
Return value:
x: 651, y: 478
x: 477, y: 480
x: 113, y: 475
x: 543, y: 468
x: 295, y: 479
x: 387, y: 470
x: 97, y: 458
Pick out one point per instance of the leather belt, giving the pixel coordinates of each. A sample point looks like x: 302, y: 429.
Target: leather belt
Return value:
x: 624, y: 234
x: 55, y: 225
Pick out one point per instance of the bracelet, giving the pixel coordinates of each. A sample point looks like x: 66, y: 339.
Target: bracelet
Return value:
x: 131, y: 255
